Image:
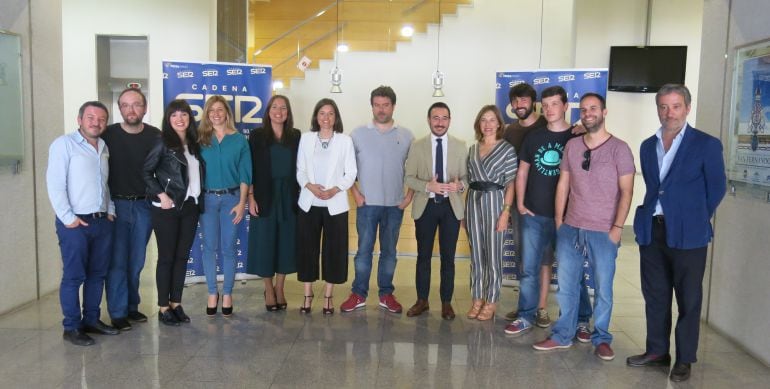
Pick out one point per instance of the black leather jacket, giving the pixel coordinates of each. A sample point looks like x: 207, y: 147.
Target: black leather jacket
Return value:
x: 165, y: 170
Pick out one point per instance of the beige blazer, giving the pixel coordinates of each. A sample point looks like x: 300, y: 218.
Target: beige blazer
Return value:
x: 419, y: 171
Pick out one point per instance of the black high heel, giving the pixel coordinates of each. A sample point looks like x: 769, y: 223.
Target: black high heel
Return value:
x: 227, y: 311
x: 269, y: 307
x: 305, y: 308
x: 210, y: 312
x: 330, y: 310
x: 281, y: 306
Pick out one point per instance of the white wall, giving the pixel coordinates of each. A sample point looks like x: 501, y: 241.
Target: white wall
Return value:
x: 176, y: 30
x: 28, y: 249
x: 738, y: 300
x: 476, y: 43
x: 601, y: 24
x: 495, y: 36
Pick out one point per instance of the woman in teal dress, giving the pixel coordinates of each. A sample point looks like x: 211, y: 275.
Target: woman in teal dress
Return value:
x: 273, y: 200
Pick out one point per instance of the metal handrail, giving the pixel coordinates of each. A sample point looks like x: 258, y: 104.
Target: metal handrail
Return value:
x: 295, y: 28
x: 311, y: 44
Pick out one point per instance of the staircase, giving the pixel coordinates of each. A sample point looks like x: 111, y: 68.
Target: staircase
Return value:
x: 281, y: 32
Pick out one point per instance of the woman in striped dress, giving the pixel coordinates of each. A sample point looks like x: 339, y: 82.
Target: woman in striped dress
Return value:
x: 492, y: 168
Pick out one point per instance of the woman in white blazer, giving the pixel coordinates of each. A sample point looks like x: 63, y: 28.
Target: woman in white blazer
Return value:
x: 326, y: 169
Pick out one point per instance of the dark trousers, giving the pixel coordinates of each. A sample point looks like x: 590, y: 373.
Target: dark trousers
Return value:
x: 174, y: 234
x: 436, y: 216
x: 333, y: 249
x: 666, y: 271
x: 85, y: 254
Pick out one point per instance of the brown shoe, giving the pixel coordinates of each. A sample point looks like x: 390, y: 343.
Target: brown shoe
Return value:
x: 488, y: 312
x: 475, y: 309
x: 447, y: 312
x: 418, y: 308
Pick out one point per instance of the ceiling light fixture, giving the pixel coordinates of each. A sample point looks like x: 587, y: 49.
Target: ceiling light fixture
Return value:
x: 438, y: 76
x: 407, y: 31
x: 336, y: 74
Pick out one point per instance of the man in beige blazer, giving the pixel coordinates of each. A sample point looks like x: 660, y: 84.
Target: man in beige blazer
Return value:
x: 436, y: 169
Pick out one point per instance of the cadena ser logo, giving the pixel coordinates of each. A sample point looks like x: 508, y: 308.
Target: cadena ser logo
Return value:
x: 541, y: 80
x: 234, y: 72
x: 185, y: 74
x: 258, y: 71
x: 566, y: 77
x: 592, y: 75
x: 548, y: 158
x: 210, y: 73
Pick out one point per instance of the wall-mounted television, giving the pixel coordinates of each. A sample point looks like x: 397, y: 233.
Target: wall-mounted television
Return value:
x: 646, y: 68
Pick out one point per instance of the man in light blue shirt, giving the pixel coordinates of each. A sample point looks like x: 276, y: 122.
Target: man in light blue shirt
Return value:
x: 77, y: 187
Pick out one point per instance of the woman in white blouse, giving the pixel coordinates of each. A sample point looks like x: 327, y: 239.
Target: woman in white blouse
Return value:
x: 326, y: 169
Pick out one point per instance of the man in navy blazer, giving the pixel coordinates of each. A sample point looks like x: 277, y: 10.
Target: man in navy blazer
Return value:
x: 684, y: 173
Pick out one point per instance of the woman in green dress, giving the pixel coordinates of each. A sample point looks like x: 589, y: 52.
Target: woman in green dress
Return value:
x: 273, y: 200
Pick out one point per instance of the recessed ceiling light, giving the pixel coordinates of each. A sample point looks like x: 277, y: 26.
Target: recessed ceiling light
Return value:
x: 343, y: 48
x: 407, y: 31
x: 277, y: 85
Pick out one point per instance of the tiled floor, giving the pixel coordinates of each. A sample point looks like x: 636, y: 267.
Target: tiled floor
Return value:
x: 367, y: 348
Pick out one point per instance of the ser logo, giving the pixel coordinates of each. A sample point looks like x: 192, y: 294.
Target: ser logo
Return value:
x: 566, y: 77
x: 591, y: 75
x: 165, y: 76
x: 240, y: 103
x: 541, y: 80
x: 187, y: 74
x: 234, y: 72
x: 258, y: 71
x: 210, y: 73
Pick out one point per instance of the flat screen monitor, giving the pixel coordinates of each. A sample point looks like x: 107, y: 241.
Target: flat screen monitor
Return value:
x: 646, y: 68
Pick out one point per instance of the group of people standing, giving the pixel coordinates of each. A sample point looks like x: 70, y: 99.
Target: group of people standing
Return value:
x: 565, y: 189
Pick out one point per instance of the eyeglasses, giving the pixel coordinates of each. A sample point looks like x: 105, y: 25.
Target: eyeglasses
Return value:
x: 586, y: 160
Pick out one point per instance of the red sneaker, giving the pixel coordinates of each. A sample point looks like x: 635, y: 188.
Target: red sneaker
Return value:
x: 583, y: 334
x: 604, y: 351
x: 352, y: 303
x: 550, y: 344
x: 389, y: 302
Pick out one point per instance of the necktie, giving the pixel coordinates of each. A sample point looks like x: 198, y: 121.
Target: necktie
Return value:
x: 439, y: 166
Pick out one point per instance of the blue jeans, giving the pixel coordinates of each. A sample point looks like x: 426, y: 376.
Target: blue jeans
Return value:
x: 219, y: 235
x: 133, y: 227
x: 368, y: 217
x: 574, y: 245
x: 537, y: 233
x: 85, y: 254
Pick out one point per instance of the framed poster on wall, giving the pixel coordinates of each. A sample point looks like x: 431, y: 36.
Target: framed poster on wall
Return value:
x: 749, y: 161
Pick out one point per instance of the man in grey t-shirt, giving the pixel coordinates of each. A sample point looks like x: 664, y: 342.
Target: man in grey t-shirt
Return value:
x: 381, y: 149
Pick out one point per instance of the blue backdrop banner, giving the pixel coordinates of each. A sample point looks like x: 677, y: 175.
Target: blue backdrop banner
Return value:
x: 247, y: 88
x: 575, y: 82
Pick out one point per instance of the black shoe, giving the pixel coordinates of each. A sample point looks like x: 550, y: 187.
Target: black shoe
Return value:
x: 306, y: 305
x: 330, y: 310
x: 168, y: 318
x: 137, y: 317
x: 180, y: 315
x: 281, y: 305
x: 227, y: 311
x: 680, y: 372
x: 269, y: 307
x: 648, y: 360
x: 121, y: 324
x: 212, y: 311
x: 100, y: 328
x: 78, y: 338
